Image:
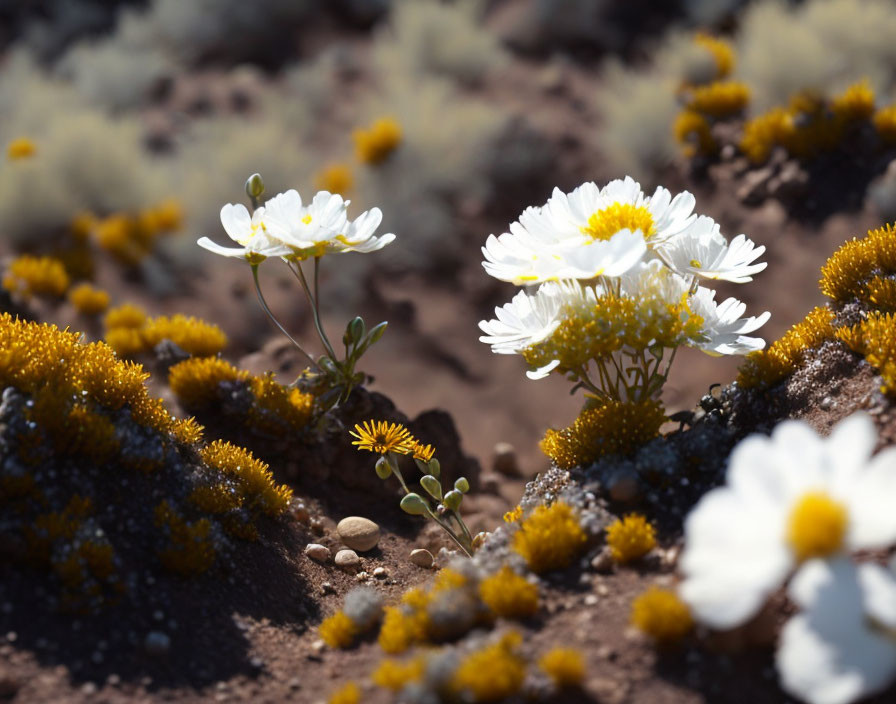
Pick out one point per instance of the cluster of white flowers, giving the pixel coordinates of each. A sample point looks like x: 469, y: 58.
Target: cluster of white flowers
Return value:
x: 581, y: 248
x: 284, y: 227
x: 288, y: 230
x: 796, y: 509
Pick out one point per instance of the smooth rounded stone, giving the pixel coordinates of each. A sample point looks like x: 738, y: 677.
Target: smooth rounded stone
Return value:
x: 624, y: 487
x: 422, y: 558
x: 504, y: 460
x: 157, y: 643
x: 317, y: 552
x: 360, y: 534
x: 380, y: 573
x: 347, y: 559
x: 603, y: 561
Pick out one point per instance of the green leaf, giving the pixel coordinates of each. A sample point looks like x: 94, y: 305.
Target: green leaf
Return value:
x: 462, y: 485
x: 432, y: 485
x: 383, y: 468
x: 452, y: 500
x: 413, y: 504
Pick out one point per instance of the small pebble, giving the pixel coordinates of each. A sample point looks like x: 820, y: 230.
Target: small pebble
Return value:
x: 347, y: 559
x: 603, y: 561
x: 504, y: 460
x: 591, y: 600
x: 327, y: 588
x: 301, y: 513
x: 422, y: 558
x: 359, y: 534
x: 362, y: 576
x: 88, y: 688
x: 317, y: 552
x: 380, y: 573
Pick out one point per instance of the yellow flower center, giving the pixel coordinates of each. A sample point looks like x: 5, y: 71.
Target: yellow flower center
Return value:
x: 605, y: 223
x: 817, y: 526
x: 307, y: 219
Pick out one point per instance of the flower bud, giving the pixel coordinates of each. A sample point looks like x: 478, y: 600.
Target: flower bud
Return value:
x: 432, y: 486
x: 413, y: 504
x: 356, y: 329
x: 254, y: 186
x: 452, y: 500
x: 383, y: 468
x: 462, y: 485
x: 377, y: 333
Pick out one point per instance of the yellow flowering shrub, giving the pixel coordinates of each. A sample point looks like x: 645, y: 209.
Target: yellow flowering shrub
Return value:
x: 349, y: 693
x: 493, y: 673
x: 190, y: 549
x: 875, y: 339
x: 719, y: 99
x: 721, y: 51
x: 767, y: 367
x: 374, y: 144
x: 630, y: 538
x: 36, y: 276
x: 395, y: 674
x: 20, y: 148
x: 565, y: 667
x: 660, y: 614
x: 844, y: 275
x: 508, y: 594
x: 338, y: 631
x: 335, y: 178
x: 550, y: 538
x: 885, y: 123
x: 615, y: 427
x: 88, y: 300
x: 692, y: 132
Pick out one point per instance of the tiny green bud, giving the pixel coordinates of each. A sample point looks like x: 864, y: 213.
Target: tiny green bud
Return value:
x: 435, y: 469
x: 328, y: 365
x: 356, y: 329
x: 452, y: 500
x: 383, y: 468
x: 462, y: 485
x: 432, y: 485
x: 377, y: 333
x: 254, y: 186
x: 413, y: 504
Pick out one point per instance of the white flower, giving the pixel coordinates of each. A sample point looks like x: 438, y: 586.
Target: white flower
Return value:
x: 702, y: 251
x: 248, y: 231
x: 723, y: 325
x: 527, y: 319
x: 841, y: 648
x: 587, y: 233
x: 322, y: 226
x: 789, y: 498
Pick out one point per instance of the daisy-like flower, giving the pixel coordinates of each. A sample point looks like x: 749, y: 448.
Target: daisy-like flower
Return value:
x: 250, y: 232
x: 322, y: 226
x: 789, y: 498
x: 842, y: 646
x: 703, y: 251
x: 382, y: 437
x: 527, y: 319
x: 587, y: 233
x: 723, y: 327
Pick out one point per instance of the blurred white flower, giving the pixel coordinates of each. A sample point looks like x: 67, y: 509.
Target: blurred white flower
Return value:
x: 789, y: 498
x: 587, y: 233
x: 723, y: 326
x: 249, y: 231
x: 322, y: 226
x: 842, y: 646
x: 703, y: 251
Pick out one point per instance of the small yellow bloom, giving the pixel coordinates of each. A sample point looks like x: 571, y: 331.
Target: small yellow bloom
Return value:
x: 630, y: 538
x: 422, y: 452
x: 660, y: 614
x: 88, y: 300
x: 382, y: 437
x: 565, y: 667
x: 21, y: 148
x: 335, y: 178
x: 374, y: 144
x: 338, y: 630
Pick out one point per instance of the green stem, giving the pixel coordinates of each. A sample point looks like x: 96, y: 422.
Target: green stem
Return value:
x: 433, y: 516
x: 276, y: 322
x: 315, y: 313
